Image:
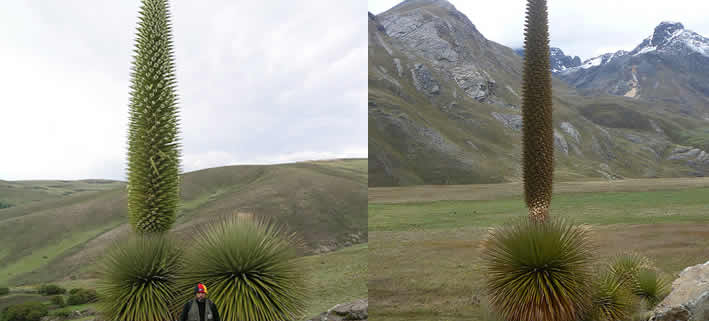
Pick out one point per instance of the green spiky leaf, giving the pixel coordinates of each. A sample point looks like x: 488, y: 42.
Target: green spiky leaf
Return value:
x: 153, y: 149
x: 539, y: 271
x: 611, y: 299
x: 537, y: 125
x: 650, y: 287
x: 138, y: 279
x: 249, y: 268
x: 625, y: 267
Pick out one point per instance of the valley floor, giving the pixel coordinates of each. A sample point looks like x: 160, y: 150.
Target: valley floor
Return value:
x: 425, y: 241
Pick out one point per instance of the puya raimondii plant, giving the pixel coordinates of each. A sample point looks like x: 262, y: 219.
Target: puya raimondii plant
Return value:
x: 537, y: 125
x: 538, y: 268
x: 138, y: 276
x: 153, y: 147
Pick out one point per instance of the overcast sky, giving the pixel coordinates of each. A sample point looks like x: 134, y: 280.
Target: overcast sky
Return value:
x: 259, y: 82
x: 580, y: 28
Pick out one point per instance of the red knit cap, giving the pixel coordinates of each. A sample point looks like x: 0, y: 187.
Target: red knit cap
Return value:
x: 200, y: 289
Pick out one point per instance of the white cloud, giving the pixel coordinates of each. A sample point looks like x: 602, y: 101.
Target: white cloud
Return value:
x: 579, y: 27
x: 259, y: 82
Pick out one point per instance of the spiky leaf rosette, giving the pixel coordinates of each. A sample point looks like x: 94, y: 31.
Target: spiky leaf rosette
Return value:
x: 153, y: 148
x: 539, y: 271
x: 138, y: 279
x: 537, y: 126
x: 249, y: 268
x: 611, y: 299
x: 626, y: 266
x: 650, y: 287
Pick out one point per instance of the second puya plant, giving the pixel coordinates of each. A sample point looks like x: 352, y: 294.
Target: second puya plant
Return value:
x: 151, y: 275
x: 540, y: 268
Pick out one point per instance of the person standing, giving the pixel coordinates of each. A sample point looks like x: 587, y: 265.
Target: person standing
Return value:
x: 200, y: 308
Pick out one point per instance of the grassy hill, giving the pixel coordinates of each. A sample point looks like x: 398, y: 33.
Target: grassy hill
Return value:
x: 23, y: 192
x: 425, y: 241
x: 57, y: 229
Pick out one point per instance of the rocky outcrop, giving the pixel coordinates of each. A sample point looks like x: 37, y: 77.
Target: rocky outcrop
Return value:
x: 605, y: 171
x: 424, y: 81
x: 420, y: 30
x: 356, y: 310
x: 688, y: 153
x: 510, y: 121
x: 560, y: 142
x: 476, y: 84
x: 399, y: 68
x: 448, y: 43
x: 420, y: 136
x: 571, y: 130
x: 383, y: 74
x: 689, y: 299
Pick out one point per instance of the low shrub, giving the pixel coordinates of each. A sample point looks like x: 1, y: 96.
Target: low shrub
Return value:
x: 82, y: 296
x: 29, y: 311
x: 4, y: 290
x: 62, y: 313
x: 51, y: 289
x: 59, y: 301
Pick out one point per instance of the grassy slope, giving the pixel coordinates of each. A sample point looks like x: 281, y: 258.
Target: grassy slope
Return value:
x: 24, y: 192
x: 58, y: 237
x: 333, y: 278
x: 425, y: 255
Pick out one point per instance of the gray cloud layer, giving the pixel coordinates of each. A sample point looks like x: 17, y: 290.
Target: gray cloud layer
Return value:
x: 259, y: 82
x: 581, y: 28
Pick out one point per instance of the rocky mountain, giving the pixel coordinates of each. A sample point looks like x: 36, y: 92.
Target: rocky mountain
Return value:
x: 444, y: 108
x: 559, y: 60
x: 670, y: 65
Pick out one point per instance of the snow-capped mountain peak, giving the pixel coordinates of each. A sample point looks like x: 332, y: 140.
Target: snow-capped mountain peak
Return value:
x: 666, y: 31
x: 599, y: 60
x: 672, y: 38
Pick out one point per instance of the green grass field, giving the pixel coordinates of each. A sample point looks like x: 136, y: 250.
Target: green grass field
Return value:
x: 425, y: 254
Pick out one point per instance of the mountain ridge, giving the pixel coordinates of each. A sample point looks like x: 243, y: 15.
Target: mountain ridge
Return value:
x: 444, y: 109
x: 672, y: 61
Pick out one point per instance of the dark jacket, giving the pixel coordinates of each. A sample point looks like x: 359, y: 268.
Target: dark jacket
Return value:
x: 186, y: 311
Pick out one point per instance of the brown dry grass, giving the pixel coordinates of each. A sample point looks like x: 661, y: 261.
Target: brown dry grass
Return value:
x: 437, y: 274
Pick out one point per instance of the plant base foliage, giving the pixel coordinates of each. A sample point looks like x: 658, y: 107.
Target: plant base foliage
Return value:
x: 249, y: 268
x: 539, y: 271
x: 138, y: 279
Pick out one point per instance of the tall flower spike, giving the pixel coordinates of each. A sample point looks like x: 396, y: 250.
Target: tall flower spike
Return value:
x: 537, y: 125
x: 153, y: 148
